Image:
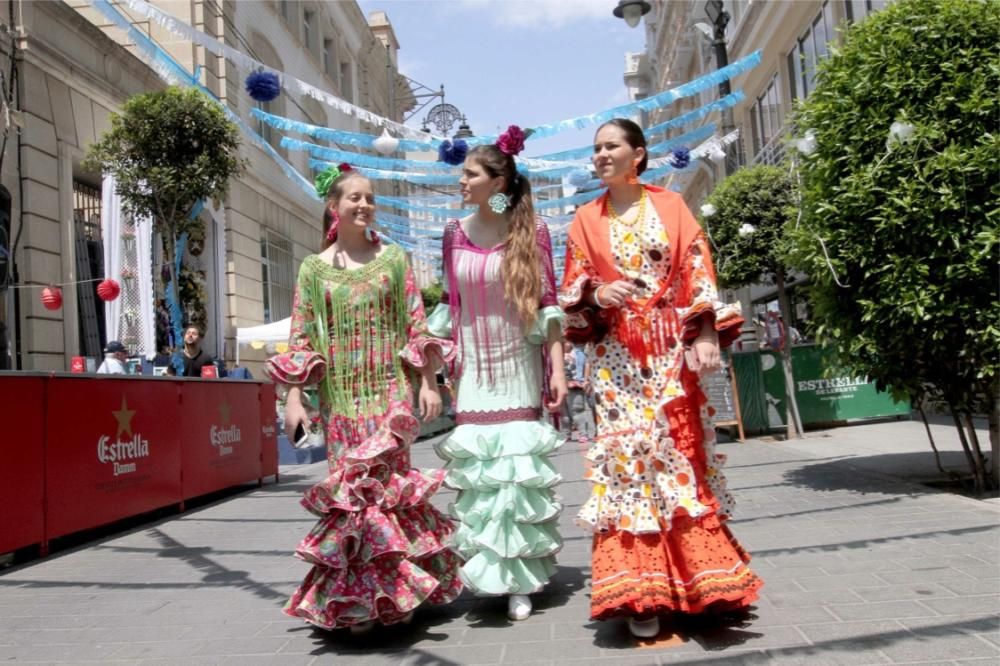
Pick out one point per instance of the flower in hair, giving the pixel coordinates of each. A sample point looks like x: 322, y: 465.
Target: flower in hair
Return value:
x: 453, y: 152
x: 679, y: 158
x: 511, y: 142
x: 327, y: 177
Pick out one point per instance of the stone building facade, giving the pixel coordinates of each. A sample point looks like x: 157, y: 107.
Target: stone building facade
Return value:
x: 75, y: 69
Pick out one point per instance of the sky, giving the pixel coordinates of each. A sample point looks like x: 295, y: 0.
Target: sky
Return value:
x: 521, y: 62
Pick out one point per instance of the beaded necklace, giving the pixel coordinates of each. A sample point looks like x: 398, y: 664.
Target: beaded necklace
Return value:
x: 613, y: 214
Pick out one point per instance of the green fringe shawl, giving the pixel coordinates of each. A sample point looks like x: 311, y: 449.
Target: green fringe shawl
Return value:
x: 359, y: 325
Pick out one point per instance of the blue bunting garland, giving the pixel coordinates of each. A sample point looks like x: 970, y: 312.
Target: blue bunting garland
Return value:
x: 174, y: 307
x: 173, y: 73
x: 362, y: 160
x: 338, y: 136
x: 651, y: 103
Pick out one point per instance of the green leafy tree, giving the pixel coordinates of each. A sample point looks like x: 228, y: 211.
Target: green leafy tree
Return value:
x: 900, y: 203
x: 753, y: 210
x: 169, y: 150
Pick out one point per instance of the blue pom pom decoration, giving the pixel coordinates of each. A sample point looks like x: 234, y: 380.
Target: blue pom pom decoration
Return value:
x: 679, y: 158
x: 263, y: 86
x: 453, y: 152
x: 579, y: 178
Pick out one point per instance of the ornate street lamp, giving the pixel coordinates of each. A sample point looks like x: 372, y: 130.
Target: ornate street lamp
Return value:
x: 632, y: 11
x: 720, y: 19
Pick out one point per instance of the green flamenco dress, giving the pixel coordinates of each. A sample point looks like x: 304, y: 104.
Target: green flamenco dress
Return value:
x: 498, y: 455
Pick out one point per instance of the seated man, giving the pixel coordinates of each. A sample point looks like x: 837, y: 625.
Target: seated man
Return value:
x: 115, y: 356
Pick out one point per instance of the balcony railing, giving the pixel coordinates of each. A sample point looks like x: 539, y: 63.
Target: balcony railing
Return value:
x: 773, y: 152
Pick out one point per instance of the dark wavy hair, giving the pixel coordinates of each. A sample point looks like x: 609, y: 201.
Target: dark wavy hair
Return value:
x: 520, y: 267
x: 633, y: 136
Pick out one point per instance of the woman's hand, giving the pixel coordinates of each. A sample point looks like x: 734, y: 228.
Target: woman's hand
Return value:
x: 706, y: 357
x: 430, y: 402
x: 295, y: 414
x: 558, y: 389
x: 614, y: 294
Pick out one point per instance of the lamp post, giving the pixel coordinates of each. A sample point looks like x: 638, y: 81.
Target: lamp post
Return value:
x: 631, y: 11
x: 720, y: 19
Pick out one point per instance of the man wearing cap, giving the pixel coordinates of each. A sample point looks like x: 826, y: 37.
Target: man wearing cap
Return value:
x: 114, y: 359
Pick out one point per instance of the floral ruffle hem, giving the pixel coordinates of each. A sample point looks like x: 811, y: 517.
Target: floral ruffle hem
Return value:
x: 379, y: 549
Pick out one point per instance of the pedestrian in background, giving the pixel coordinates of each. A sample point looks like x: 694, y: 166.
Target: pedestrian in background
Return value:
x: 115, y: 355
x: 579, y: 419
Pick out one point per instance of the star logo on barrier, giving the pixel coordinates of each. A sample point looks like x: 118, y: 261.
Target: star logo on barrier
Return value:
x: 225, y: 411
x: 124, y: 417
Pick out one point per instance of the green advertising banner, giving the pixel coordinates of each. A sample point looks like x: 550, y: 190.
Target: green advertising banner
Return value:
x: 823, y: 396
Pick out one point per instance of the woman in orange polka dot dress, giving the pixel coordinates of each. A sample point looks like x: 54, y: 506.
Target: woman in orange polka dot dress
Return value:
x: 640, y: 285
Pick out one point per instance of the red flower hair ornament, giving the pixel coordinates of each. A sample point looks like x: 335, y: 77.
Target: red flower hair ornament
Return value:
x: 511, y: 142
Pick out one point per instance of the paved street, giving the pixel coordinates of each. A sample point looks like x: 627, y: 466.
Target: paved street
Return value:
x: 860, y: 567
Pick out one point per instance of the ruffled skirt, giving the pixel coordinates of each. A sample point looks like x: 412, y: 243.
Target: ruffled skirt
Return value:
x: 658, y: 509
x: 506, y: 507
x: 379, y: 549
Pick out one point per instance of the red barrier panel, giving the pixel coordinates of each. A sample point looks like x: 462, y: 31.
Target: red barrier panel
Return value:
x: 220, y: 435
x: 112, y: 450
x: 22, y: 449
x: 268, y: 432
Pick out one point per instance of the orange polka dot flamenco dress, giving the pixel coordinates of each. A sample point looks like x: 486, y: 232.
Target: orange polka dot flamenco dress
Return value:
x: 658, y: 505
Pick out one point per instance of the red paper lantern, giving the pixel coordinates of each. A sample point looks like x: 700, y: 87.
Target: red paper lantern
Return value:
x: 108, y: 290
x: 52, y: 298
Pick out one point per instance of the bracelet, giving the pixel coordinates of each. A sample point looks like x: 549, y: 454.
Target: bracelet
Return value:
x: 597, y: 297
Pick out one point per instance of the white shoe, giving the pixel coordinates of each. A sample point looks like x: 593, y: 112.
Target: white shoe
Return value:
x: 518, y: 607
x: 362, y: 628
x: 644, y: 628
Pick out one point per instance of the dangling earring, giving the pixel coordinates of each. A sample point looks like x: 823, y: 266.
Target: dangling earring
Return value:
x: 499, y: 202
x: 633, y: 175
x: 331, y: 233
x: 372, y: 236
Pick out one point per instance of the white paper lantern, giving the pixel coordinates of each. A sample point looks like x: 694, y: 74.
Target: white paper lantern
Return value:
x: 807, y: 144
x: 746, y: 229
x: 386, y: 143
x: 707, y: 210
x: 899, y: 133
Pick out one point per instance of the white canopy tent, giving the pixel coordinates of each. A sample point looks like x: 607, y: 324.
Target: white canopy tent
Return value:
x: 260, y: 336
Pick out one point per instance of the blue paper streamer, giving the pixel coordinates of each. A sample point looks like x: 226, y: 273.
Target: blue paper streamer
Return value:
x: 380, y: 174
x: 342, y: 137
x: 368, y: 161
x: 430, y: 211
x: 174, y: 306
x: 651, y: 103
x: 730, y: 100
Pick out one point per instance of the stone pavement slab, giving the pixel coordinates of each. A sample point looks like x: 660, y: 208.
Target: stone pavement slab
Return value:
x: 860, y: 567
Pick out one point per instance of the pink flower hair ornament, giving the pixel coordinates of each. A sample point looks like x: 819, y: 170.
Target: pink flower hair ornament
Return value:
x: 511, y: 142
